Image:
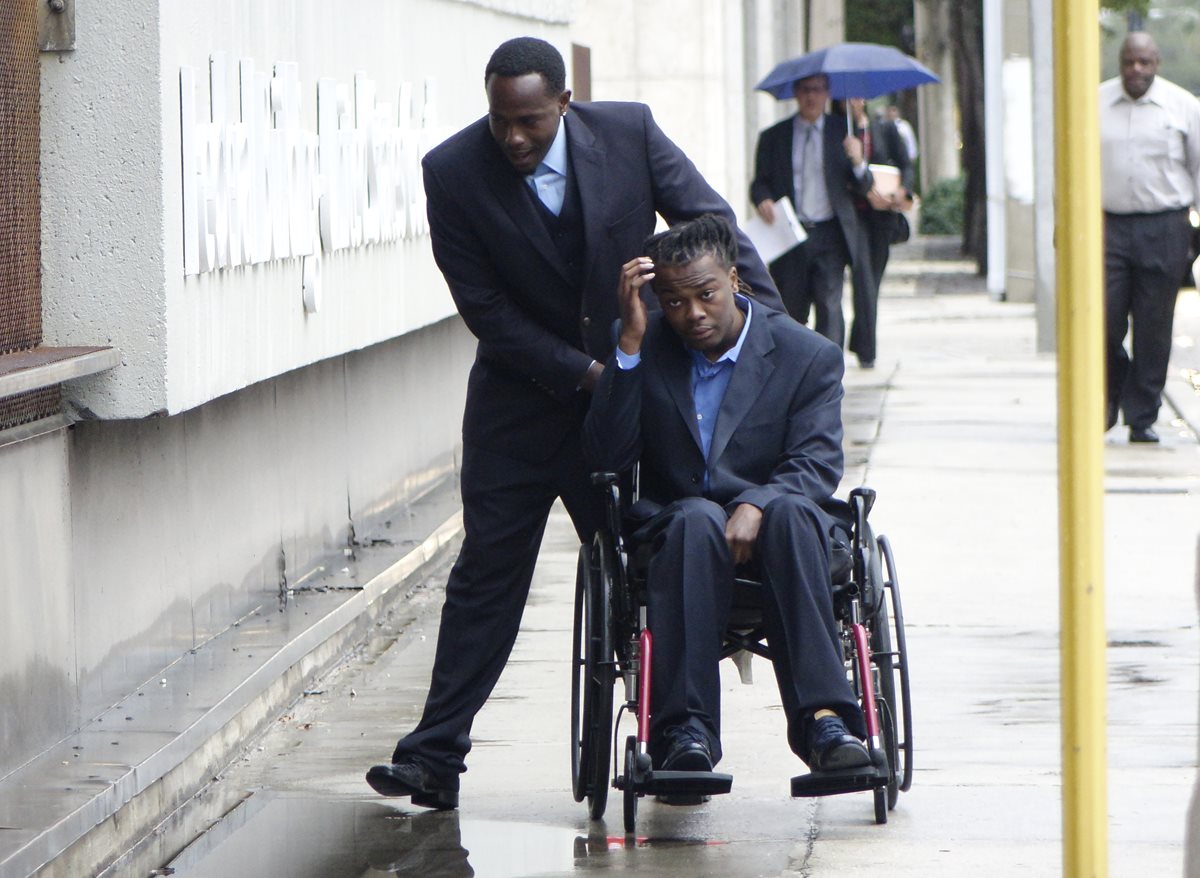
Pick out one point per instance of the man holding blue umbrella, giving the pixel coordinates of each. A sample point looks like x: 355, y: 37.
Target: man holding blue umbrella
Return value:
x: 811, y: 274
x: 811, y: 159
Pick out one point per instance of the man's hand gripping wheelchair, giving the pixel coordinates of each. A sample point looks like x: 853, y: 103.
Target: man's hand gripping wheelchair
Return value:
x: 611, y: 640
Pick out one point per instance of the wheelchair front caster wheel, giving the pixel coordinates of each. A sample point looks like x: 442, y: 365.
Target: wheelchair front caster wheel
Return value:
x: 631, y: 796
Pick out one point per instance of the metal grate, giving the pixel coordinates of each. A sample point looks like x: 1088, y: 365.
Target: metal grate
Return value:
x: 20, y: 205
x: 20, y: 195
x: 33, y: 405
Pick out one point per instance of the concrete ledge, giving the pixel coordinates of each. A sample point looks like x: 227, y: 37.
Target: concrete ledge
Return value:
x: 77, y: 806
x: 45, y: 367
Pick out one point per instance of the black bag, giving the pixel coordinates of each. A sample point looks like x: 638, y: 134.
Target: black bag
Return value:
x: 900, y: 229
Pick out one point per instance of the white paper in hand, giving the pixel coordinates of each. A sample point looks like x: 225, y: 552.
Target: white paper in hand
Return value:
x: 773, y: 240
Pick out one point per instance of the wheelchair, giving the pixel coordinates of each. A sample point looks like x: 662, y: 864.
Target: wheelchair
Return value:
x: 611, y: 641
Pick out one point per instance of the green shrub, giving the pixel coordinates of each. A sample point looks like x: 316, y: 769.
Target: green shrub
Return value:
x: 942, y: 208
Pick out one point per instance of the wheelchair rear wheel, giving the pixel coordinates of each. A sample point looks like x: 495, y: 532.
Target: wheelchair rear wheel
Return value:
x: 884, y: 658
x: 901, y: 708
x: 592, y: 677
x: 888, y: 653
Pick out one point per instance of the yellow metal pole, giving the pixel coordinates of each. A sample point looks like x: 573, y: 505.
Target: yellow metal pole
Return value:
x: 1079, y: 241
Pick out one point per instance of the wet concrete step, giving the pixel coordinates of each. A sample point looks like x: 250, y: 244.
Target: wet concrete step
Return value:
x: 88, y: 798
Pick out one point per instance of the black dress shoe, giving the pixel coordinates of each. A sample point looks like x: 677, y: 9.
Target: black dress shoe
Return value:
x: 1142, y: 434
x: 410, y: 778
x: 831, y: 746
x: 688, y: 750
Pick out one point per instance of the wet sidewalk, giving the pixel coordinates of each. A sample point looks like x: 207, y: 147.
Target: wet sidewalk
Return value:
x: 955, y: 428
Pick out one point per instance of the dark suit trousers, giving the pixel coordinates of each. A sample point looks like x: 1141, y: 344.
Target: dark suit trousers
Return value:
x: 876, y: 229
x: 811, y: 276
x: 1145, y: 256
x: 505, y: 506
x: 690, y: 583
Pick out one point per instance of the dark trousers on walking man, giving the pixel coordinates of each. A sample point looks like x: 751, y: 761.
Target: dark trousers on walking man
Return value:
x: 1145, y: 256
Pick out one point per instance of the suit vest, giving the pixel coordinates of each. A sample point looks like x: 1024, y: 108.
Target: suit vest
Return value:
x: 566, y: 229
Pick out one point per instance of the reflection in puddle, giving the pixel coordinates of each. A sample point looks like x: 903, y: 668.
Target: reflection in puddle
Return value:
x: 596, y: 845
x: 308, y: 838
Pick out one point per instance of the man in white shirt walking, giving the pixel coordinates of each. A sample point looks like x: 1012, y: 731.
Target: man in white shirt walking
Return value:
x: 1150, y: 176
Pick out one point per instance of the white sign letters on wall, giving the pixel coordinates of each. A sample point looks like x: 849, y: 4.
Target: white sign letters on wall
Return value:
x: 260, y: 187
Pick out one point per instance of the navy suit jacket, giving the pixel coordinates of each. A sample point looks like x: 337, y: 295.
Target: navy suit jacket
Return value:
x: 538, y: 330
x: 778, y: 431
x: 774, y: 178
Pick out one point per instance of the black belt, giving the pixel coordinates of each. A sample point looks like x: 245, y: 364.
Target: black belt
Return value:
x: 1129, y: 216
x: 809, y: 226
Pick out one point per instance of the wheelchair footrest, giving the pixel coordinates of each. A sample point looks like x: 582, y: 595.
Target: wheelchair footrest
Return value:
x: 843, y: 780
x: 681, y: 783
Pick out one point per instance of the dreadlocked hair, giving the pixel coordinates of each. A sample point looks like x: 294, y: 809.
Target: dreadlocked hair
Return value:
x: 706, y: 235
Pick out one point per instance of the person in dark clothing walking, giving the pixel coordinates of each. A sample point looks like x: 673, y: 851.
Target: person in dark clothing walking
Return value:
x: 881, y: 221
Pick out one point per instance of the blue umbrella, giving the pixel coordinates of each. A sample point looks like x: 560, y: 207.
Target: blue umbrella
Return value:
x: 855, y: 70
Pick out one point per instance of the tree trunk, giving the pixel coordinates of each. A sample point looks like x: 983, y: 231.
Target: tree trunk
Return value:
x: 966, y: 24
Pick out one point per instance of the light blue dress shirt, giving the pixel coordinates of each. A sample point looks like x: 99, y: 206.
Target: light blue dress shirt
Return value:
x: 549, y: 179
x: 710, y: 380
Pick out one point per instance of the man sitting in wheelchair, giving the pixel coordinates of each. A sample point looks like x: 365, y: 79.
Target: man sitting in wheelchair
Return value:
x: 733, y: 411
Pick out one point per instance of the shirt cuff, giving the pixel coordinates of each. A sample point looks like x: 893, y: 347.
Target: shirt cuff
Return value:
x: 625, y: 361
x: 860, y: 170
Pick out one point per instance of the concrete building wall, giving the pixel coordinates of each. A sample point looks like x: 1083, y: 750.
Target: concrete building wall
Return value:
x: 103, y: 258
x: 123, y: 544
x: 775, y: 31
x: 685, y: 66
x: 184, y: 524
x: 38, y: 676
x: 697, y: 70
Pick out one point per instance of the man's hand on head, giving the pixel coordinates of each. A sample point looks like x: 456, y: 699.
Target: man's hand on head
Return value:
x: 634, y: 275
x: 741, y: 532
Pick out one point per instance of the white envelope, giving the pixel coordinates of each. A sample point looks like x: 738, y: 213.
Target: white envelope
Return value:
x: 772, y: 241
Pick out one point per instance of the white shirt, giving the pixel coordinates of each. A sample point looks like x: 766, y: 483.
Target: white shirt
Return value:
x: 1149, y: 148
x: 908, y: 136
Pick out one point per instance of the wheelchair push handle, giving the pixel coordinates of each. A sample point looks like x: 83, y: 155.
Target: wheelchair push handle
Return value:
x: 610, y: 484
x: 861, y: 496
x: 861, y: 501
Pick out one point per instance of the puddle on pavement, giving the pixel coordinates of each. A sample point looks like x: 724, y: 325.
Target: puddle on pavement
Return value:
x: 270, y: 834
